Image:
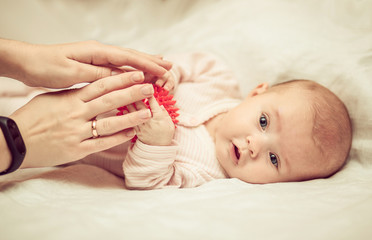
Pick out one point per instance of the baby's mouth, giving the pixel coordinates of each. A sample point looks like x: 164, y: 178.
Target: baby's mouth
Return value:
x: 237, y: 153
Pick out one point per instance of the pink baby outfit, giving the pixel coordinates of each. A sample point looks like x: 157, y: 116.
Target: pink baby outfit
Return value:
x: 205, y: 87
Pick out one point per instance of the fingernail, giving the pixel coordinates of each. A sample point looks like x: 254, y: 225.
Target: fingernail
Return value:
x: 147, y: 90
x: 130, y: 133
x: 116, y: 72
x: 169, y: 64
x: 138, y: 77
x: 144, y: 114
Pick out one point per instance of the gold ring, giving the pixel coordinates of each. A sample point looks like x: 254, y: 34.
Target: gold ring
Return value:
x: 94, y: 128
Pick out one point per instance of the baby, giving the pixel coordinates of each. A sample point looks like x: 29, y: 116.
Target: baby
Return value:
x: 293, y: 131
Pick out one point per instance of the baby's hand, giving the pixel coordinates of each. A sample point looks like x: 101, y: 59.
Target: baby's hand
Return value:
x: 167, y: 81
x: 159, y: 130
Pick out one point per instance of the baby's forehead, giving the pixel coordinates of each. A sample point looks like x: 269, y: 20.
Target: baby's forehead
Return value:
x: 292, y: 104
x: 291, y: 91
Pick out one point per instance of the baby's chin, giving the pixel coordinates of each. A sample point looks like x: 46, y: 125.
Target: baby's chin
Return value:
x: 221, y: 163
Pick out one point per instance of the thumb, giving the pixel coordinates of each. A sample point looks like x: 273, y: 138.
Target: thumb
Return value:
x: 154, y: 105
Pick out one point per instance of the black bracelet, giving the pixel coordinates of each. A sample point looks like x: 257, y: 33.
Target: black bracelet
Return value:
x: 15, y: 143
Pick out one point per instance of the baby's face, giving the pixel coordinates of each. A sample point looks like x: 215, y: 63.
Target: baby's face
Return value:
x: 268, y: 138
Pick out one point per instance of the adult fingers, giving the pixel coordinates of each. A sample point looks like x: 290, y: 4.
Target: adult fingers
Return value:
x: 118, y: 98
x: 111, y: 125
x: 109, y: 84
x: 95, y: 53
x: 93, y: 145
x: 149, y: 78
x: 122, y: 58
x: 84, y: 72
x: 158, y: 59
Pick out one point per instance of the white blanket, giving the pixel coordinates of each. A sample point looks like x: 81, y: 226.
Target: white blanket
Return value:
x: 329, y: 41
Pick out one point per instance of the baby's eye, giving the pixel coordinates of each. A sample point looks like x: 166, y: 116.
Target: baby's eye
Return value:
x: 274, y: 159
x: 263, y: 121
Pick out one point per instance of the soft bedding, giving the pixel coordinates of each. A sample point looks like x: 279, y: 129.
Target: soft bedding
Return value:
x: 328, y: 41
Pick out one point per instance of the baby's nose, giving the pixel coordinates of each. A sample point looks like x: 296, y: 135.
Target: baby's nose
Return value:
x: 253, y: 146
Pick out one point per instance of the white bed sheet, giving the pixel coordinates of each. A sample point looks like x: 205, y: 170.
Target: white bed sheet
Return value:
x: 329, y: 41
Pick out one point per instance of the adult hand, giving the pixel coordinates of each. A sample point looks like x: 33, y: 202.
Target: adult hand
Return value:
x: 63, y: 65
x: 57, y: 126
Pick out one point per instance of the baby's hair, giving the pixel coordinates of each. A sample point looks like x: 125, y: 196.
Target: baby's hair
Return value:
x: 332, y: 125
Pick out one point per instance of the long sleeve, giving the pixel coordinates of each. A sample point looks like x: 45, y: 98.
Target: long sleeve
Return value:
x: 199, y: 67
x: 147, y: 167
x: 151, y: 167
x: 204, y: 88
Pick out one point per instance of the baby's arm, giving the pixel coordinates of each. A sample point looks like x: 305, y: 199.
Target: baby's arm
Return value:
x: 154, y: 167
x: 149, y: 167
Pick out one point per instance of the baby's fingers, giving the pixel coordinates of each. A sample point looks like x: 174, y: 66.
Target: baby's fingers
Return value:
x: 162, y: 82
x: 169, y: 85
x: 140, y: 105
x: 154, y: 105
x: 131, y: 107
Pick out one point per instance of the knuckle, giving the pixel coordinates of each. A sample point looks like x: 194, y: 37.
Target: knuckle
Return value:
x: 99, y: 143
x: 100, y: 72
x: 101, y: 87
x: 76, y: 71
x: 108, y: 102
x: 106, y: 125
x: 131, y: 120
x: 169, y: 127
x: 93, y: 43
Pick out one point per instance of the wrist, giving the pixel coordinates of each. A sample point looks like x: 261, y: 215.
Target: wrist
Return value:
x: 160, y: 140
x: 12, y: 144
x: 12, y: 61
x: 5, y: 155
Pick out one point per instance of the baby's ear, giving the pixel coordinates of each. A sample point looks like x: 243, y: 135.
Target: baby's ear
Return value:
x: 261, y: 88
